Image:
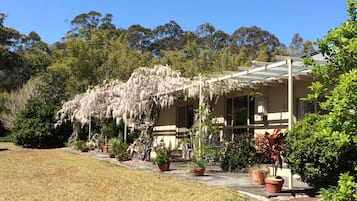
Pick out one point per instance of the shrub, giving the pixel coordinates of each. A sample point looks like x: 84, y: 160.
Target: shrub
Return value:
x: 240, y: 154
x: 345, y: 191
x: 34, y: 126
x: 320, y: 148
x: 80, y: 145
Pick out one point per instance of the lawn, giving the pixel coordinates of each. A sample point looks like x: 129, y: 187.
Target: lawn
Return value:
x: 52, y: 174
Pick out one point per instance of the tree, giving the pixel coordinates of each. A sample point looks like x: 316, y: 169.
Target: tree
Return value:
x: 167, y: 37
x: 322, y: 147
x: 33, y: 126
x: 299, y: 46
x: 135, y: 101
x: 139, y: 37
x: 14, y: 71
x: 16, y: 101
x: 251, y: 38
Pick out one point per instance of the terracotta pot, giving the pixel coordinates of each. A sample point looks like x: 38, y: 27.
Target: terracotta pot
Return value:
x: 199, y: 171
x: 163, y: 167
x: 122, y: 157
x: 105, y: 149
x: 274, y: 184
x: 258, y: 175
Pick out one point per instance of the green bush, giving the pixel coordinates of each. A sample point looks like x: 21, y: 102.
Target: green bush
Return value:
x: 240, y: 154
x: 345, y: 191
x: 321, y: 147
x: 80, y: 145
x: 34, y: 126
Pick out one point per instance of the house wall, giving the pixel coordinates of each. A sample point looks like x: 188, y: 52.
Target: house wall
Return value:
x: 275, y: 98
x: 275, y: 101
x: 165, y: 129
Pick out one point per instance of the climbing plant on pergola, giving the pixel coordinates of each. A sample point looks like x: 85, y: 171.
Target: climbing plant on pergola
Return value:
x: 138, y: 101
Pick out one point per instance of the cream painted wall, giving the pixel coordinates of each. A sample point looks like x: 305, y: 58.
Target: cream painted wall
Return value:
x: 275, y: 102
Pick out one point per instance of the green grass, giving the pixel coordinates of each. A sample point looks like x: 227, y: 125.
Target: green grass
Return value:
x: 52, y: 174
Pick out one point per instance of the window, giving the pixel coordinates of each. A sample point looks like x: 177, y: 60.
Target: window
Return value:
x: 237, y: 115
x: 303, y: 108
x: 185, y: 116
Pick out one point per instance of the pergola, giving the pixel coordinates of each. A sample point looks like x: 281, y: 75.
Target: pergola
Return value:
x: 267, y: 73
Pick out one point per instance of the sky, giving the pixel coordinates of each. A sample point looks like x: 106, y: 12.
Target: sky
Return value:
x: 312, y: 19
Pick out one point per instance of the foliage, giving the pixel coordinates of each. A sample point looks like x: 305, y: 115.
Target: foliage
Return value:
x: 240, y: 154
x: 117, y: 147
x: 200, y: 163
x: 271, y: 146
x: 162, y: 155
x: 339, y: 48
x: 327, y: 144
x: 201, y: 129
x: 320, y: 148
x: 346, y: 190
x: 16, y: 101
x: 81, y: 145
x: 252, y: 39
x: 33, y: 127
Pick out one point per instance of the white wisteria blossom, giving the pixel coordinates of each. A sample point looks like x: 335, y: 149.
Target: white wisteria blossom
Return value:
x: 138, y: 101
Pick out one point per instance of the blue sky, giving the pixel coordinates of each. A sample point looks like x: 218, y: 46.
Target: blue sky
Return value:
x: 283, y: 18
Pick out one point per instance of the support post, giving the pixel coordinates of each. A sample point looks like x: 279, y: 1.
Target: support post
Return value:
x: 290, y: 94
x: 200, y: 118
x: 290, y: 106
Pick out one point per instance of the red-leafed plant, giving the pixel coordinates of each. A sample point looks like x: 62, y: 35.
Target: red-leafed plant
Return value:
x: 271, y: 145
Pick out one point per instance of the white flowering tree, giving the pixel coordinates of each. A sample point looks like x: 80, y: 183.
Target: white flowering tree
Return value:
x: 138, y: 101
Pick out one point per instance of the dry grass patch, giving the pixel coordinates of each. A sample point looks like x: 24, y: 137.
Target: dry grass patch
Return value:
x: 29, y: 174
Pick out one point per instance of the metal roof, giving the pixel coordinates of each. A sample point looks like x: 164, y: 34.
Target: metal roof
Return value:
x: 260, y: 72
x: 264, y: 73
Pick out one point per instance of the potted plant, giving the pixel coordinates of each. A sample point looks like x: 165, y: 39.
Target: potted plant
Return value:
x: 82, y: 146
x: 259, y: 174
x: 162, y: 159
x: 202, y: 128
x: 118, y: 149
x: 199, y: 168
x: 271, y: 145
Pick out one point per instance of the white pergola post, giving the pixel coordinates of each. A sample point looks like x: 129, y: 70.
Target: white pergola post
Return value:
x: 290, y: 94
x: 125, y: 128
x: 90, y: 127
x: 290, y: 106
x: 200, y: 118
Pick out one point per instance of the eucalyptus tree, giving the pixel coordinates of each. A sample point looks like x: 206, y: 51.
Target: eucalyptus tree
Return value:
x: 13, y: 69
x: 220, y: 40
x: 205, y: 33
x: 252, y: 38
x: 85, y: 23
x: 139, y: 37
x: 36, y: 53
x: 299, y: 46
x: 167, y: 37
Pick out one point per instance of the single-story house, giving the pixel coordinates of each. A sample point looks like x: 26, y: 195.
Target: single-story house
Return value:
x: 268, y: 97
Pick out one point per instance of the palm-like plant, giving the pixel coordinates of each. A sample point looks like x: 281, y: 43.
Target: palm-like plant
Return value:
x: 271, y: 145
